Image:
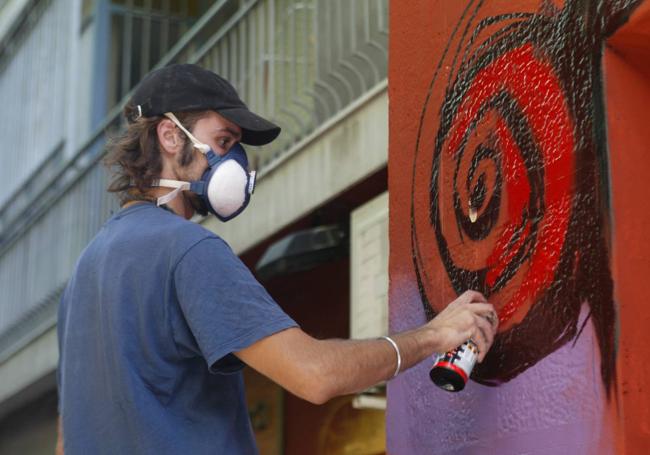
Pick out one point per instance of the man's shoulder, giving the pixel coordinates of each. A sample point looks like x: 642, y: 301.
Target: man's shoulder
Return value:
x: 150, y: 228
x: 182, y: 234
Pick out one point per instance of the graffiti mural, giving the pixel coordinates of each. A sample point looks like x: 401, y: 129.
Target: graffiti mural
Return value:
x: 515, y: 170
x: 509, y: 195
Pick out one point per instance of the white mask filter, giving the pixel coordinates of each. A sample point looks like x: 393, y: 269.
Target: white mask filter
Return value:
x: 227, y: 188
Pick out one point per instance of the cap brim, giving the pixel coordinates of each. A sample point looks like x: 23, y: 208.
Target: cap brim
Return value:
x: 255, y: 129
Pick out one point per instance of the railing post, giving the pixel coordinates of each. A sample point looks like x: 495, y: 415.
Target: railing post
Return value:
x: 99, y: 105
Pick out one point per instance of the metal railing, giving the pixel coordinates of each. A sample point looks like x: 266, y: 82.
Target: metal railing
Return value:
x: 141, y: 32
x: 30, y: 117
x: 298, y: 63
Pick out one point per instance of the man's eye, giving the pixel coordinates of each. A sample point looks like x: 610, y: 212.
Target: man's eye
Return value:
x: 223, y: 143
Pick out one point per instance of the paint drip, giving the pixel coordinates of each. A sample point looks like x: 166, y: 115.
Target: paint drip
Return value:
x: 452, y: 369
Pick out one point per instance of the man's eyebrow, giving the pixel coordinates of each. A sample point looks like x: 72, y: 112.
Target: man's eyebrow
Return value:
x: 233, y: 132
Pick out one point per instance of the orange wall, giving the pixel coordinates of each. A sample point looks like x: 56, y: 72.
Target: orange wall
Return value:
x: 627, y: 90
x: 517, y: 162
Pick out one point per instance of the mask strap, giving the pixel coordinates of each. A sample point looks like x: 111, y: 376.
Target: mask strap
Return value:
x: 203, y: 148
x: 166, y: 183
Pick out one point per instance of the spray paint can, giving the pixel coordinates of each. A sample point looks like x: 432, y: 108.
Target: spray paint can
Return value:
x: 452, y: 369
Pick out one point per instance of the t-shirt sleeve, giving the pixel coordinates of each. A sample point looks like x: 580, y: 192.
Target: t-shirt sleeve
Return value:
x: 60, y: 332
x: 224, y: 305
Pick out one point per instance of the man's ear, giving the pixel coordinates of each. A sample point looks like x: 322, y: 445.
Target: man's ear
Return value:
x: 168, y: 137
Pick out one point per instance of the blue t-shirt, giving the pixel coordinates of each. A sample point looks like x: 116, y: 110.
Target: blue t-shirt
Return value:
x: 147, y: 327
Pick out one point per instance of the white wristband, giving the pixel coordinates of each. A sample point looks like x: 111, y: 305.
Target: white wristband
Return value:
x: 399, y: 356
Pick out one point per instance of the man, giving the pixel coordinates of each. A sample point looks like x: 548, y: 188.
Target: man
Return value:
x: 160, y: 315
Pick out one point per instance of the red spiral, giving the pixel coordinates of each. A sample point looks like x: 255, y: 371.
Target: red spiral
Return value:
x: 493, y: 185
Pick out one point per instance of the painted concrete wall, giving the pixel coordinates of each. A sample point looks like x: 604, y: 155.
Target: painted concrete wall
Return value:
x: 515, y: 169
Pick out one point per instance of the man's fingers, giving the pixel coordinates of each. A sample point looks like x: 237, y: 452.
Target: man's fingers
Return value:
x: 483, y: 335
x: 479, y: 340
x: 486, y: 329
x: 489, y: 315
x: 493, y: 319
x: 481, y: 356
x: 482, y: 309
x: 472, y: 296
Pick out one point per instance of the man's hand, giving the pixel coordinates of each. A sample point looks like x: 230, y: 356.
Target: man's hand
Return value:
x: 469, y: 316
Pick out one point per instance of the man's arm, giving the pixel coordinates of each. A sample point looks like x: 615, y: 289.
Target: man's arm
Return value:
x: 318, y: 370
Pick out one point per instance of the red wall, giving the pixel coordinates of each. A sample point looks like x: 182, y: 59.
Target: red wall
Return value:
x: 517, y: 167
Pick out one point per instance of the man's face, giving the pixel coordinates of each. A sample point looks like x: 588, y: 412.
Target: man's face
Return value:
x: 216, y: 131
x: 220, y: 134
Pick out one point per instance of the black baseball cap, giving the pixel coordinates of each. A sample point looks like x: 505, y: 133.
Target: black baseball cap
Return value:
x: 187, y: 87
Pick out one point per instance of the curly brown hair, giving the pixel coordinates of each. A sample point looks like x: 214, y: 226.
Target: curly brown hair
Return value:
x: 134, y: 158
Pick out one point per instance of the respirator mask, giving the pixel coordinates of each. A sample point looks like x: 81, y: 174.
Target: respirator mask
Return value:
x: 225, y: 187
